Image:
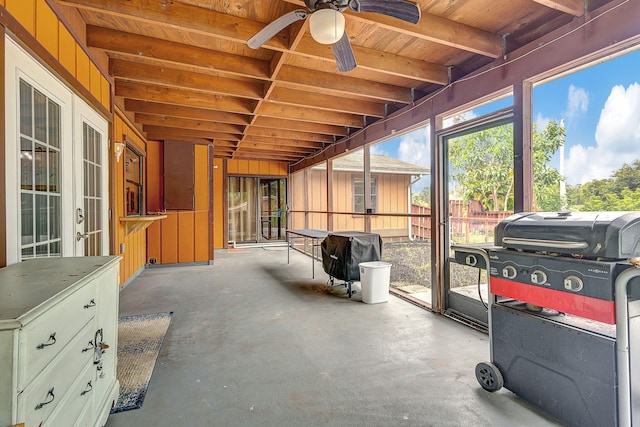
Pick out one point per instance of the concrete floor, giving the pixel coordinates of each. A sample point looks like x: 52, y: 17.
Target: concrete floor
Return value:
x: 255, y: 341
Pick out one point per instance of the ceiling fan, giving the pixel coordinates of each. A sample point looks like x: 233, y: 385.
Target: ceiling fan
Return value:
x: 326, y: 23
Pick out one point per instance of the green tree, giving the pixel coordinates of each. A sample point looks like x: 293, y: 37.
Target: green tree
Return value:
x: 546, y: 179
x: 423, y: 198
x: 481, y: 166
x: 621, y: 192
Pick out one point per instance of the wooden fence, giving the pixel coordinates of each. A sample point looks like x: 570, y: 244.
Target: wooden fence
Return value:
x: 468, y: 224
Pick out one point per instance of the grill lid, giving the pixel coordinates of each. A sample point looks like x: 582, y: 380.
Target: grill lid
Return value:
x: 609, y: 235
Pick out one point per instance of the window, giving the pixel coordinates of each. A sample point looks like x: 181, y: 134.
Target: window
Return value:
x: 40, y: 192
x: 358, y: 194
x: 133, y: 184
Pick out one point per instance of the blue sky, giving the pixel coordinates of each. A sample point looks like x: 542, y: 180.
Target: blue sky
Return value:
x: 600, y: 107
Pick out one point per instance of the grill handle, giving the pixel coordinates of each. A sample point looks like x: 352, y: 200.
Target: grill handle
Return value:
x: 559, y: 244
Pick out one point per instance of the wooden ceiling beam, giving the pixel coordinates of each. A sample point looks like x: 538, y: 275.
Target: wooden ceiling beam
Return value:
x: 156, y: 120
x: 295, y: 143
x: 251, y: 145
x: 182, y: 16
x: 270, y: 122
x: 572, y: 7
x: 191, y: 98
x: 251, y: 154
x: 136, y: 46
x: 170, y: 110
x: 385, y: 62
x: 143, y: 46
x: 312, y: 115
x: 287, y: 134
x: 303, y: 78
x: 167, y: 76
x: 326, y: 102
x: 200, y: 141
x: 171, y: 133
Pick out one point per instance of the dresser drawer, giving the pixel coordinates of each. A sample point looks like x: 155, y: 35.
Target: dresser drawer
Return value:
x: 44, y: 337
x: 77, y: 407
x: 46, y: 392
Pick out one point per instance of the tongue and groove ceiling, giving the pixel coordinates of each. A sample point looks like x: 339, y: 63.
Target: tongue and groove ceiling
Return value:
x: 183, y: 71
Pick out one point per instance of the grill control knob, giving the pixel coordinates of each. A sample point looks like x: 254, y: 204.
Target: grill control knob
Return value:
x: 509, y: 272
x: 538, y: 277
x: 573, y: 283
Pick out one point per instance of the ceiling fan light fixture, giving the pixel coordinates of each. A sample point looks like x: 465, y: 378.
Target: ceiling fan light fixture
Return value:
x: 326, y: 26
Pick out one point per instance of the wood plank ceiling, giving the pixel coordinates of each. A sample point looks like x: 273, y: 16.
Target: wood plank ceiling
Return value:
x: 183, y: 71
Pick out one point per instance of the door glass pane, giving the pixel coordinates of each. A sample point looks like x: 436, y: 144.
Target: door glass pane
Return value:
x: 54, y: 124
x: 400, y: 187
x: 26, y: 164
x: 54, y: 217
x: 242, y: 209
x: 26, y: 109
x: 92, y: 191
x: 272, y: 208
x: 42, y: 218
x: 40, y: 116
x: 27, y: 218
x: 40, y: 210
x: 480, y: 194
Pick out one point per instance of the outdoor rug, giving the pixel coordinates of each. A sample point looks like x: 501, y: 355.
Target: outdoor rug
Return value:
x: 139, y: 340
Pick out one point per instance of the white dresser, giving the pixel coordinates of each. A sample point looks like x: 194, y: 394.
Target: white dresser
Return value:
x: 58, y: 341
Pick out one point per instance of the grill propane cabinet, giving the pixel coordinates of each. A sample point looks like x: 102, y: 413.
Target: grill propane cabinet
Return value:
x: 564, y: 314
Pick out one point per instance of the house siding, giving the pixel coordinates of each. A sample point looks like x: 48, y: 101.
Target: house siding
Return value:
x: 392, y: 197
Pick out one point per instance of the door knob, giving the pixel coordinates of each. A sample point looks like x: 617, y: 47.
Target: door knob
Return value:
x: 80, y: 236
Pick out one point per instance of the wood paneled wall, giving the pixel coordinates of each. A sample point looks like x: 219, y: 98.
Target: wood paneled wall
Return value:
x: 183, y: 237
x: 135, y: 243
x: 37, y: 17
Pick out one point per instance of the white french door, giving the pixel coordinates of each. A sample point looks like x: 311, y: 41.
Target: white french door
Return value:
x: 56, y: 162
x: 91, y: 183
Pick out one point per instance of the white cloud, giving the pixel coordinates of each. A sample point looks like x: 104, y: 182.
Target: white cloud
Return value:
x: 414, y: 147
x: 376, y: 149
x: 617, y: 138
x: 577, y: 103
x: 542, y: 122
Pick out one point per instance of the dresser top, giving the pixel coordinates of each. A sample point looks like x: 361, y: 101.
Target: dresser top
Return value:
x: 30, y: 284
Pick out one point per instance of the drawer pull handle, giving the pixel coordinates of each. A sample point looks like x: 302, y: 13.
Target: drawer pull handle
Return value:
x: 91, y: 347
x: 46, y: 402
x: 87, y: 389
x: 92, y: 303
x: 50, y: 341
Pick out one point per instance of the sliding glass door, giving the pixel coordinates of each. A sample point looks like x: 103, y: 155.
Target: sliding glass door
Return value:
x: 257, y: 208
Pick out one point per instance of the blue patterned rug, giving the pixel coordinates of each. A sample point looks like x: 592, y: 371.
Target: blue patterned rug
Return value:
x: 139, y: 340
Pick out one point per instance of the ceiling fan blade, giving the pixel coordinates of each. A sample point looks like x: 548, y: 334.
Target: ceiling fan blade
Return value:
x: 400, y: 9
x: 343, y: 53
x: 275, y: 27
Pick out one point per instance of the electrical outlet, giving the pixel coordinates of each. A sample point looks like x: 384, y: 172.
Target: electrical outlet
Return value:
x: 121, y: 248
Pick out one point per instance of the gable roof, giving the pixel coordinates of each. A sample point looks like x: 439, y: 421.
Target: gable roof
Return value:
x: 380, y: 164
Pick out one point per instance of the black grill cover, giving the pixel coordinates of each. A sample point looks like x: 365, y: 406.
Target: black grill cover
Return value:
x: 342, y: 252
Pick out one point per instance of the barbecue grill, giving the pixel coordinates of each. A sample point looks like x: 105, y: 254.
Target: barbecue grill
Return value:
x: 562, y: 286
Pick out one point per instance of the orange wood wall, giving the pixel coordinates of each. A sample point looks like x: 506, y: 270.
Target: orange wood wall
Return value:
x: 183, y: 237
x: 41, y: 22
x: 219, y: 209
x: 135, y: 243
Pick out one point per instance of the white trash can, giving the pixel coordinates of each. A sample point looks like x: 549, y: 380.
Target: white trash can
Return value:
x: 374, y: 279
